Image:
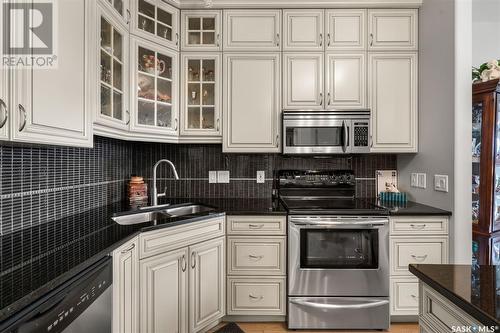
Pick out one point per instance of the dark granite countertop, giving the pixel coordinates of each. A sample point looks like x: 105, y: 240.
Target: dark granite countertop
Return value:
x: 239, y: 206
x: 474, y: 289
x: 412, y: 208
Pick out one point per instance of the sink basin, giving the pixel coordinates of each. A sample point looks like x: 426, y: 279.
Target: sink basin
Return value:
x: 136, y: 218
x: 187, y: 210
x: 160, y: 211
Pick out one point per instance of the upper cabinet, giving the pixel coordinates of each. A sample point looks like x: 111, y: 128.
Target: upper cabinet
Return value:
x: 252, y: 30
x: 346, y: 80
x: 252, y: 107
x: 118, y: 8
x: 52, y: 105
x: 201, y: 95
x: 393, y: 29
x: 393, y: 91
x: 303, y: 30
x: 5, y: 92
x: 201, y: 30
x: 157, y: 21
x: 154, y: 84
x: 303, y: 80
x: 346, y: 29
x: 113, y: 77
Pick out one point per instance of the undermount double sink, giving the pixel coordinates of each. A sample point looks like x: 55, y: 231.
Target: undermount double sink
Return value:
x: 148, y: 214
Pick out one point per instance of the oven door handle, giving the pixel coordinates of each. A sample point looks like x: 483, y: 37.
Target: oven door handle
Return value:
x: 340, y: 306
x: 307, y: 221
x: 340, y: 226
x: 345, y: 133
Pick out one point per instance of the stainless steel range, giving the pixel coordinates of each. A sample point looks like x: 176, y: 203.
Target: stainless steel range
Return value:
x: 338, y: 259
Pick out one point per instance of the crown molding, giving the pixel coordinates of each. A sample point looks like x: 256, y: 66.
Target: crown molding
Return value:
x: 219, y: 4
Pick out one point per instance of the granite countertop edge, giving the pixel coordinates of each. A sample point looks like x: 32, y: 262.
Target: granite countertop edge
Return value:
x: 463, y: 304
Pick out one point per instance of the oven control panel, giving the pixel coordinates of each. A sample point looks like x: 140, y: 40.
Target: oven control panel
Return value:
x: 297, y: 178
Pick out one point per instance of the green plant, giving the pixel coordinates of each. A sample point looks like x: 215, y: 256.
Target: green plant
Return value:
x: 476, y: 71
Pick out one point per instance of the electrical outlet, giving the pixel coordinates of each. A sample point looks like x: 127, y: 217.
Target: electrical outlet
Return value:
x: 422, y: 180
x: 212, y: 177
x: 261, y: 176
x: 223, y: 177
x: 441, y: 183
x: 414, y: 180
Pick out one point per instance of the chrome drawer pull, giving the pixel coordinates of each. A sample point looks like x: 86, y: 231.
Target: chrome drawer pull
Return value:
x: 251, y: 256
x: 193, y: 260
x: 3, y: 107
x: 256, y: 226
x: 277, y: 39
x: 183, y: 263
x: 256, y: 297
x: 413, y: 296
x: 371, y: 39
x: 320, y: 39
x: 23, y: 111
x: 218, y: 40
x: 419, y: 258
x: 130, y: 248
x: 417, y: 226
x: 329, y: 39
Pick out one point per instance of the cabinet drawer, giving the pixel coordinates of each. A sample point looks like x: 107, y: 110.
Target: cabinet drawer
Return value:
x: 407, y: 250
x: 256, y: 296
x: 256, y: 255
x: 419, y: 225
x: 404, y: 296
x: 256, y: 225
x: 167, y: 239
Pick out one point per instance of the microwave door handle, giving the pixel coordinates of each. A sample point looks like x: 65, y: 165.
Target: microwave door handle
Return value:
x: 345, y: 133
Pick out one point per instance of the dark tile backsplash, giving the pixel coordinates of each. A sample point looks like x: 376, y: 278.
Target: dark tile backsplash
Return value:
x: 40, y: 184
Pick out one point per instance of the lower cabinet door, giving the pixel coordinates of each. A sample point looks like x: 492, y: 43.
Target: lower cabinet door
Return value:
x: 261, y: 296
x: 126, y: 288
x: 404, y: 296
x: 206, y: 283
x: 164, y: 293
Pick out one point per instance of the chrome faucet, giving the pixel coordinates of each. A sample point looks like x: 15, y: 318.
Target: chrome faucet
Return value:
x: 155, y: 190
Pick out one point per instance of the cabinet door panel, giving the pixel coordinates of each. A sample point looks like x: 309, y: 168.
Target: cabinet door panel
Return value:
x: 120, y: 9
x: 206, y: 283
x: 164, y: 293
x: 252, y: 30
x: 126, y: 288
x: 201, y: 30
x: 393, y: 100
x: 346, y: 80
x: 393, y: 29
x: 52, y: 105
x: 5, y: 84
x: 303, y: 30
x: 252, y: 107
x: 303, y: 76
x: 346, y: 29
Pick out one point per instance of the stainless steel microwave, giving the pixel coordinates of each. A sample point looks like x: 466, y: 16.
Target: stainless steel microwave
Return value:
x: 326, y: 132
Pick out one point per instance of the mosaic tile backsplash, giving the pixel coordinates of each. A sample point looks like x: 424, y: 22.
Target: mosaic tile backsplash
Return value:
x: 40, y: 184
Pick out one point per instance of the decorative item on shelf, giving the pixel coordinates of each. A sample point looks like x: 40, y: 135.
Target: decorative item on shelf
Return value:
x: 105, y: 74
x: 150, y: 64
x: 475, y: 212
x: 209, y: 75
x: 163, y: 97
x: 475, y: 184
x: 137, y: 192
x: 488, y: 71
x: 193, y: 95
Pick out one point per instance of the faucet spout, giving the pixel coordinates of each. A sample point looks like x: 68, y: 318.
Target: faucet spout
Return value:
x: 155, y: 168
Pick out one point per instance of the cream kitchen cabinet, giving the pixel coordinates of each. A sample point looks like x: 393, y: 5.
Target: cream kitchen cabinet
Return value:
x: 201, y: 30
x: 346, y: 80
x: 164, y: 292
x: 207, y: 285
x: 392, y: 29
x: 154, y: 83
x: 201, y: 95
x: 5, y: 91
x: 126, y: 288
x: 345, y: 29
x: 52, y: 106
x: 393, y: 89
x: 112, y: 107
x: 303, y: 80
x: 252, y: 30
x: 252, y: 102
x: 156, y: 21
x: 120, y: 9
x: 303, y: 30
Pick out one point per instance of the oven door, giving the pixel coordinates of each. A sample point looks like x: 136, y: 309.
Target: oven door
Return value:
x: 338, y: 256
x: 316, y: 136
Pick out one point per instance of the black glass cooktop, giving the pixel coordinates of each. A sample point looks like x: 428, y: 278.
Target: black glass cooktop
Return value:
x: 341, y: 206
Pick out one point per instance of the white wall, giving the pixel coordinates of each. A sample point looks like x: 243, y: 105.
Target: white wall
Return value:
x: 485, y: 31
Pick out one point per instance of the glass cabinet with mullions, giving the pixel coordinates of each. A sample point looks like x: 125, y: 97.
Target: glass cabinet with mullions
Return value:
x: 119, y: 8
x: 201, y: 30
x: 486, y: 172
x: 157, y: 21
x: 201, y: 94
x: 155, y: 81
x: 113, y: 66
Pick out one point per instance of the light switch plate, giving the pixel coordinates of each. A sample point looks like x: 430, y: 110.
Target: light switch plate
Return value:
x: 223, y: 177
x: 441, y: 183
x: 414, y: 179
x: 261, y: 176
x: 422, y: 180
x: 212, y: 177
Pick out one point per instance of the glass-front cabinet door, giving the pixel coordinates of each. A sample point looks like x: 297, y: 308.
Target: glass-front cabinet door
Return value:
x: 154, y: 86
x: 113, y: 67
x: 156, y: 21
x: 201, y: 95
x: 201, y: 30
x: 119, y: 8
x: 477, y: 120
x: 496, y: 189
